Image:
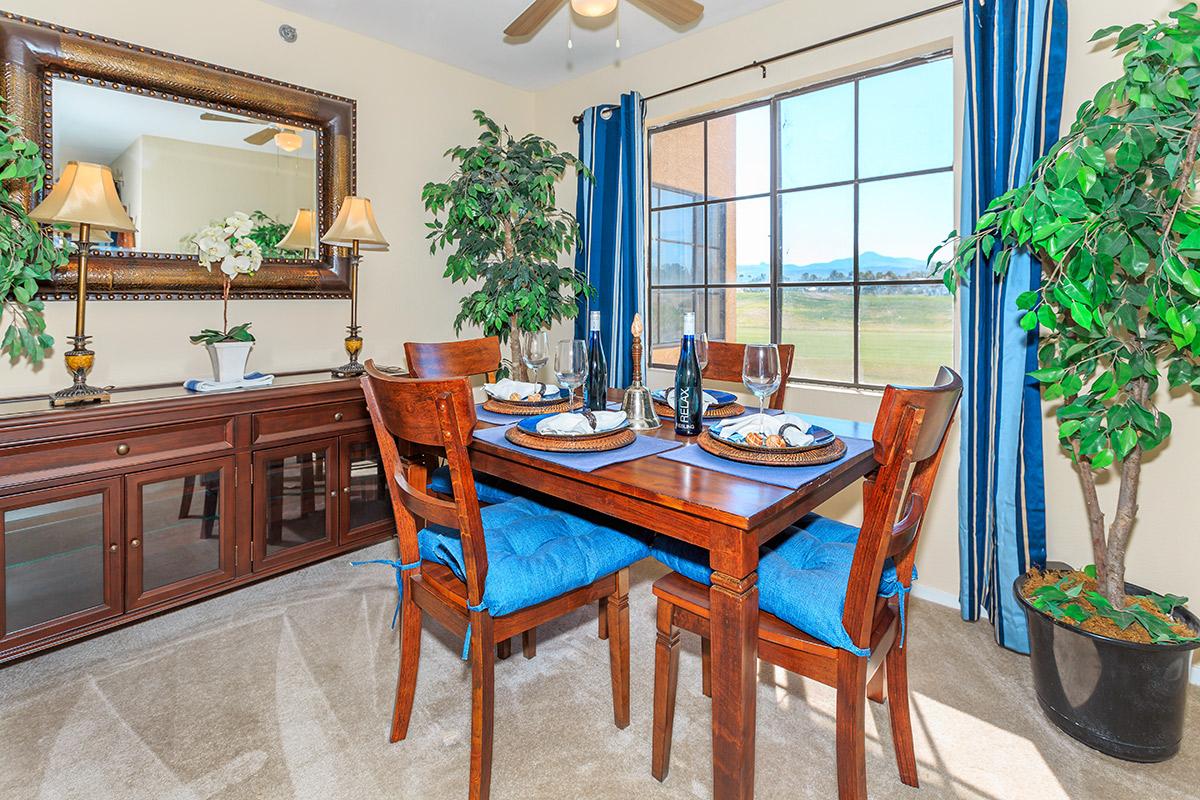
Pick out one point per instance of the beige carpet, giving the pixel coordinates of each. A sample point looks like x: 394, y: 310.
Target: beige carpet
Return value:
x: 284, y: 690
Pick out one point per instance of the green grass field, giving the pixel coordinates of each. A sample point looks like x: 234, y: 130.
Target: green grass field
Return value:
x: 904, y: 337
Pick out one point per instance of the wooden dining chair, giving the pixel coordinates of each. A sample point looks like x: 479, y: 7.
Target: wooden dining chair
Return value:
x: 831, y: 596
x: 467, y: 358
x: 725, y: 365
x: 486, y: 573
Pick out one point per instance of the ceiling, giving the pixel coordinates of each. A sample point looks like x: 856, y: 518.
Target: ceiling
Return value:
x: 470, y: 33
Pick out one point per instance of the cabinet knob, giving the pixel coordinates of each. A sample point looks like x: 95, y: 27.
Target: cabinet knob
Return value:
x: 337, y: 417
x: 112, y: 548
x: 134, y: 542
x: 122, y: 449
x: 333, y: 493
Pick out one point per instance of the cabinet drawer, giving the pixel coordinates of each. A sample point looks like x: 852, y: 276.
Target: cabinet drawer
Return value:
x: 298, y: 423
x: 50, y: 460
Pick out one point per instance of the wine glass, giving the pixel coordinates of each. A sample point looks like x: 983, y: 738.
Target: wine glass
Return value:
x: 760, y: 373
x: 702, y: 349
x: 535, y: 351
x: 571, y: 365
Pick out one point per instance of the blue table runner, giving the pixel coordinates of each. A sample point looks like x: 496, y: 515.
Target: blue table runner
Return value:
x: 584, y: 462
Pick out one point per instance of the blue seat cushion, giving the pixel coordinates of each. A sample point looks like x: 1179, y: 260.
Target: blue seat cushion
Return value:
x: 535, y: 553
x: 803, y: 575
x: 488, y: 489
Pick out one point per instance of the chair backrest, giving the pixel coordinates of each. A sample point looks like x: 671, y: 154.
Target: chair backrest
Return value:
x: 725, y: 364
x: 417, y: 420
x: 453, y: 359
x: 910, y: 435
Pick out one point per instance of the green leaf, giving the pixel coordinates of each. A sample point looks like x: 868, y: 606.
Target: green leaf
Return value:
x: 1124, y: 441
x: 1178, y: 86
x: 1090, y: 571
x: 1103, y: 459
x: 1129, y: 156
x: 1029, y: 321
x: 1048, y: 374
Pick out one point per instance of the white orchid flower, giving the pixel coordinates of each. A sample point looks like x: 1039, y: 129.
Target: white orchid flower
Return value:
x: 238, y: 224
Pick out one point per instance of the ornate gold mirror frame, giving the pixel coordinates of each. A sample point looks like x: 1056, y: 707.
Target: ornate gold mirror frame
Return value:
x: 35, y: 53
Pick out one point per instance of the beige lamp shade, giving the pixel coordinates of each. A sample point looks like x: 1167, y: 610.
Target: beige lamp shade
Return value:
x: 356, y: 223
x: 95, y: 235
x: 303, y: 233
x: 85, y: 194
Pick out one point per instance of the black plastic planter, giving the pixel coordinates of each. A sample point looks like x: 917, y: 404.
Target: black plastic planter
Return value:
x: 1124, y: 699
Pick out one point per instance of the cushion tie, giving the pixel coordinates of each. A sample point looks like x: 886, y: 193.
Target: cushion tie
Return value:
x: 400, y: 568
x: 904, y: 590
x: 467, y: 639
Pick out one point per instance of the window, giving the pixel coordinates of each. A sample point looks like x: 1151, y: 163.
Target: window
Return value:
x: 807, y: 219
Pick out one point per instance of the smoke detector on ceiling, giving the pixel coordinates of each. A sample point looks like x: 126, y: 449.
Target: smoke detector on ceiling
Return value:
x: 288, y: 33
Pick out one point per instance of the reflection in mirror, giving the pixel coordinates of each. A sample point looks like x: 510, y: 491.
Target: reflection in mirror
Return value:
x: 179, y: 168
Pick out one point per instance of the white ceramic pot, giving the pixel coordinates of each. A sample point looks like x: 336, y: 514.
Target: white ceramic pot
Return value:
x: 229, y: 360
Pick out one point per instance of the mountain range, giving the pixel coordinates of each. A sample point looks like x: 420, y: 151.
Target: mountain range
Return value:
x: 843, y: 268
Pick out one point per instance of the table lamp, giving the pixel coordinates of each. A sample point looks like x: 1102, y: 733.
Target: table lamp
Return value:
x: 355, y: 227
x: 85, y: 196
x: 303, y: 233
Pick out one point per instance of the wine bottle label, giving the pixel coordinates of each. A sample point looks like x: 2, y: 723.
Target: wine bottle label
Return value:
x: 689, y: 323
x: 594, y: 321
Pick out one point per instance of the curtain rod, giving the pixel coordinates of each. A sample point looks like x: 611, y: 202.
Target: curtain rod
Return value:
x: 762, y: 64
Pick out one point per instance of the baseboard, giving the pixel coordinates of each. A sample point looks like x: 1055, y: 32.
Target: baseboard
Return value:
x: 942, y: 598
x: 951, y: 601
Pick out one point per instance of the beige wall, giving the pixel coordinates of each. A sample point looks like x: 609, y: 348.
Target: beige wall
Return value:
x: 217, y: 181
x: 410, y: 109
x: 1167, y: 564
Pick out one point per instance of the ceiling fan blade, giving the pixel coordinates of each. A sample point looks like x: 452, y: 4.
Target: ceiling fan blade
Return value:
x: 210, y: 117
x: 677, y: 12
x: 533, y: 17
x: 262, y: 137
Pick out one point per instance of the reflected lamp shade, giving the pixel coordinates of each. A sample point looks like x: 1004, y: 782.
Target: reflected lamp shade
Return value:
x: 356, y: 223
x: 288, y: 140
x: 85, y: 194
x: 303, y: 233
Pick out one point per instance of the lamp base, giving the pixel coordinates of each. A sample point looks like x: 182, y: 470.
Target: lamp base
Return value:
x: 79, y: 394
x: 351, y: 369
x: 79, y: 361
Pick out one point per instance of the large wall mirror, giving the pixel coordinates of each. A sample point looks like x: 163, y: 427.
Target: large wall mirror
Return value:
x: 189, y: 144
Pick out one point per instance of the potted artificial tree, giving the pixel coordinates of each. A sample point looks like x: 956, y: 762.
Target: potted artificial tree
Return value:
x: 1111, y: 216
x: 499, y: 211
x: 28, y: 253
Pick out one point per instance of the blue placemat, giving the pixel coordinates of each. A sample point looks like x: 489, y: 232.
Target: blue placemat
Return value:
x: 584, y: 462
x: 508, y: 419
x: 787, y: 477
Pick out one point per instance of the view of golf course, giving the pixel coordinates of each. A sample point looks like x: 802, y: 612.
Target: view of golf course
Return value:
x: 906, y: 332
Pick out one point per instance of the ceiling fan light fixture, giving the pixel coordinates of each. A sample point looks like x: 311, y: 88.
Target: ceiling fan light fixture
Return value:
x: 593, y: 8
x: 288, y: 141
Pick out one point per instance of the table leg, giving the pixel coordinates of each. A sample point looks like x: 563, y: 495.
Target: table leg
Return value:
x: 734, y: 629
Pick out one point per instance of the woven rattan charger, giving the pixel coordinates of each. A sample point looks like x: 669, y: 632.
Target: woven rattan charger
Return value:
x: 805, y: 458
x: 718, y: 412
x: 529, y: 410
x: 594, y: 443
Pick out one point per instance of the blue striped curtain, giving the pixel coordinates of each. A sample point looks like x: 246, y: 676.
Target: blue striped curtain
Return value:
x: 1015, y: 63
x: 612, y: 144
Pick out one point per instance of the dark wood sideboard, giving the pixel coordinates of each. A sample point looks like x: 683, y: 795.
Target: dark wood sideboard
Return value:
x: 112, y: 513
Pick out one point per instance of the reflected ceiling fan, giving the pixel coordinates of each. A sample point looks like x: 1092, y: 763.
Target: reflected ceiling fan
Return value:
x: 286, y: 138
x: 676, y: 12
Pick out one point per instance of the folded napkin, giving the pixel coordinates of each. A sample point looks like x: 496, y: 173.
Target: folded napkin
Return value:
x: 250, y: 381
x: 668, y: 397
x: 792, y: 428
x: 505, y: 389
x: 575, y: 424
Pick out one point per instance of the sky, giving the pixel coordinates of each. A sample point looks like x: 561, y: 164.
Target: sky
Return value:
x: 906, y: 125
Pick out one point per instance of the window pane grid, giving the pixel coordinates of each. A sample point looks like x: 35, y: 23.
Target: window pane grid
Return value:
x: 750, y: 294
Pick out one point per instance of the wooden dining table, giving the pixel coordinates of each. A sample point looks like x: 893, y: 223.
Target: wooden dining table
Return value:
x: 727, y: 515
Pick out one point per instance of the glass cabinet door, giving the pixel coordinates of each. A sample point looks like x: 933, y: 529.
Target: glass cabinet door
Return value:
x: 62, y: 559
x: 366, y: 507
x: 295, y: 502
x: 179, y: 533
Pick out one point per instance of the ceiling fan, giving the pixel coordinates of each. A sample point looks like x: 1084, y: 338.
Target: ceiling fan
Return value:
x: 286, y: 138
x: 677, y: 12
